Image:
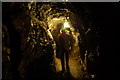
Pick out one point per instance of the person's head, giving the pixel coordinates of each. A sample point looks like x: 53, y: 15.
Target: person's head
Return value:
x: 63, y: 31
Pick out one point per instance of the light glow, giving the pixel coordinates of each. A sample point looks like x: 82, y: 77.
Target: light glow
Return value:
x: 66, y: 25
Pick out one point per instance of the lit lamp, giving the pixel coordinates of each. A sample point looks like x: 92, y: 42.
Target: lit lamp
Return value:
x: 66, y: 25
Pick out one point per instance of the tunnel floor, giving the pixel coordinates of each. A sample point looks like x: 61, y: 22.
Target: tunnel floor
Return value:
x: 77, y: 69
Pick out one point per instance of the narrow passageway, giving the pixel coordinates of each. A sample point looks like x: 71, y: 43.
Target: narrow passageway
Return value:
x: 35, y: 40
x: 76, y: 68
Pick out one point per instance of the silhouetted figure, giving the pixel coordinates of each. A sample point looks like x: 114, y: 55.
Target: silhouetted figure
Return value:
x: 55, y: 33
x: 65, y: 41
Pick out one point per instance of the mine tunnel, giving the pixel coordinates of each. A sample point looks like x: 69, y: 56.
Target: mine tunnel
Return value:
x: 30, y: 34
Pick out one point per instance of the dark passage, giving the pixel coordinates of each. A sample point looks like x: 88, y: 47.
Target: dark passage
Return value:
x: 34, y: 46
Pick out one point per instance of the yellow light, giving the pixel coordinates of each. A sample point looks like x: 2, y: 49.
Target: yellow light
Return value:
x: 66, y: 25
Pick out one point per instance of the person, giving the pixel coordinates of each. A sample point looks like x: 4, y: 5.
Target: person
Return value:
x: 55, y: 32
x: 65, y: 41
